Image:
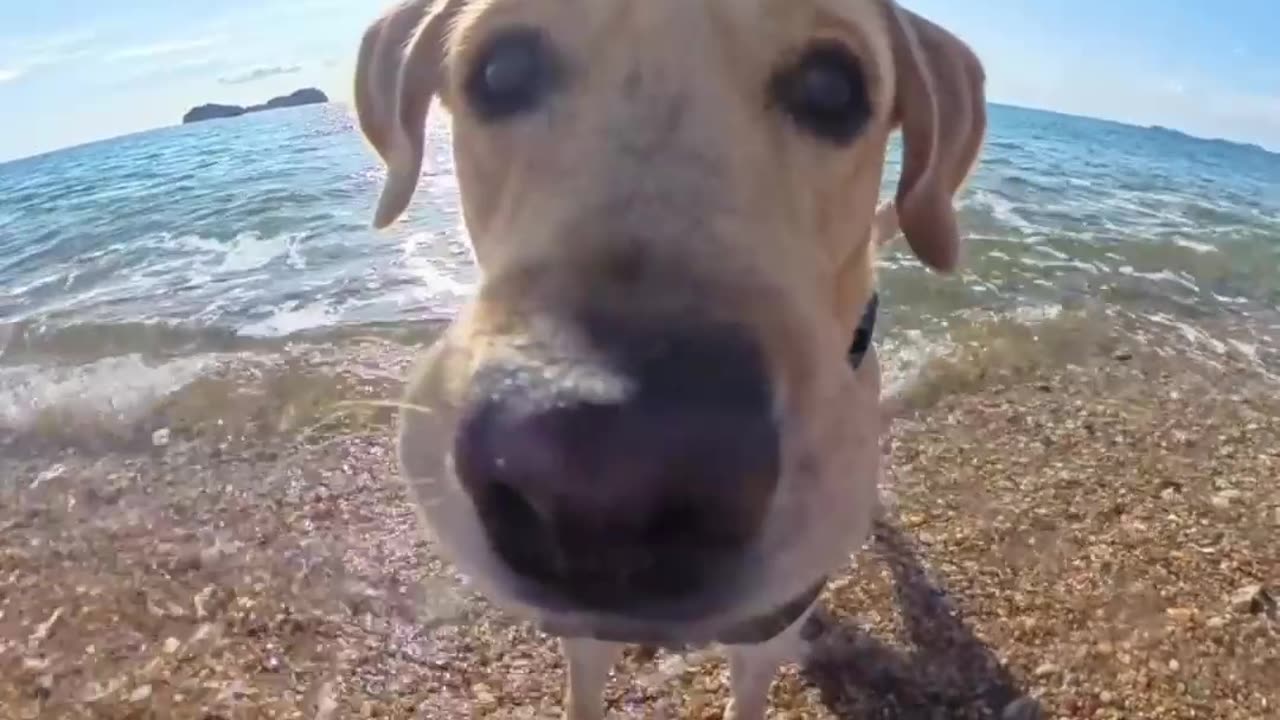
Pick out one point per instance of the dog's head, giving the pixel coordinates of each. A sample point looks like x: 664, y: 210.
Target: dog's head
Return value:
x: 645, y: 418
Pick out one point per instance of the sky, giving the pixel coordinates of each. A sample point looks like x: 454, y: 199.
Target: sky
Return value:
x: 73, y: 71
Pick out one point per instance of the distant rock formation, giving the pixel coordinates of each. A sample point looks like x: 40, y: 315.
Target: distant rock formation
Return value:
x: 214, y: 111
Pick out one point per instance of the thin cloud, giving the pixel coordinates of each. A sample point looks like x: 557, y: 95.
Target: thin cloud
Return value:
x: 49, y: 47
x: 259, y: 73
x: 163, y: 49
x: 20, y: 56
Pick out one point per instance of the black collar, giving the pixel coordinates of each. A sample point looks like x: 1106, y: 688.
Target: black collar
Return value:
x: 767, y: 626
x: 863, y: 334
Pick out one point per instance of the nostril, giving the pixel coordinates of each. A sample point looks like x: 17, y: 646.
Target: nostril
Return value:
x: 519, y: 533
x: 508, y: 508
x: 677, y: 522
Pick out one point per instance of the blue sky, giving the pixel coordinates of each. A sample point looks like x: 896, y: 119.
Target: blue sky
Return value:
x: 72, y: 71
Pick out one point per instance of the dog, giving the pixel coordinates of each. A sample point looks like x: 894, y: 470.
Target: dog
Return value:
x: 645, y: 427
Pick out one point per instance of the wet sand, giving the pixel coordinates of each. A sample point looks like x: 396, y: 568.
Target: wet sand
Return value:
x: 1093, y: 539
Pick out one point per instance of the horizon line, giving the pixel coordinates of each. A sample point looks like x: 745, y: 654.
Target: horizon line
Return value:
x: 990, y: 103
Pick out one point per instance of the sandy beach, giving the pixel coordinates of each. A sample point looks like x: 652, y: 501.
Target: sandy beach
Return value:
x: 1092, y: 537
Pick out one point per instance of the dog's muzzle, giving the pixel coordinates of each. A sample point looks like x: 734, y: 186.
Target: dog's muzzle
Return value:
x: 649, y: 496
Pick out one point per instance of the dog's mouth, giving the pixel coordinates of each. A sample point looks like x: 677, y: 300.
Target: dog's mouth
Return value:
x: 659, y: 580
x: 604, y: 608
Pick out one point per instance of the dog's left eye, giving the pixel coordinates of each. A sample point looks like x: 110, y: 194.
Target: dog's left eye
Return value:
x: 824, y: 92
x: 511, y: 75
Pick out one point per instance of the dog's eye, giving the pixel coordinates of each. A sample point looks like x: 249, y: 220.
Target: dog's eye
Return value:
x: 824, y: 92
x: 511, y: 75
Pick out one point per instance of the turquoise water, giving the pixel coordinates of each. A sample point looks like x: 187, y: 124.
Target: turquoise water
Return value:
x: 234, y: 236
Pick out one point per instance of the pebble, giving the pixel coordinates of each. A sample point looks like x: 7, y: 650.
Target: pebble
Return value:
x: 141, y: 694
x: 326, y: 703
x: 1253, y: 599
x: 45, y: 683
x: 52, y: 473
x: 484, y: 695
x: 171, y: 646
x: 1046, y: 670
x: 160, y: 438
x: 1224, y: 499
x: 35, y: 663
x: 43, y: 630
x: 200, y: 599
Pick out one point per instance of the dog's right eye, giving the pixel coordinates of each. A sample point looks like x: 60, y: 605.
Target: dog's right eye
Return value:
x: 824, y: 92
x: 512, y: 75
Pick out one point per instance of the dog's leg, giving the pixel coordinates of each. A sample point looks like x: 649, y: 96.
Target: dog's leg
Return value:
x: 590, y: 662
x: 751, y: 675
x: 752, y: 669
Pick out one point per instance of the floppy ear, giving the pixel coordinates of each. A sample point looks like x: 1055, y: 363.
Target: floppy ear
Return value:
x: 399, y: 69
x: 940, y: 104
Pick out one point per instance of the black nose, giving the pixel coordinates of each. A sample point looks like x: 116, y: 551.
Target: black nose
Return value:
x: 653, y: 494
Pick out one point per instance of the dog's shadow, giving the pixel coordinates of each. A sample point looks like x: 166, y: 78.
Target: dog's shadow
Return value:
x: 946, y: 672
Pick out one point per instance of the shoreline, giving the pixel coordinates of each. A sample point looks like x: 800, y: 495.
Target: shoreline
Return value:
x: 1082, y: 534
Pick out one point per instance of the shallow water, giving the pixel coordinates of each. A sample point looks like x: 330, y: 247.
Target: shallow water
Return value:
x: 140, y: 264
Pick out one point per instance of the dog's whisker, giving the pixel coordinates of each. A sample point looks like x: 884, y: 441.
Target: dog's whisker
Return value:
x: 345, y: 407
x: 385, y: 404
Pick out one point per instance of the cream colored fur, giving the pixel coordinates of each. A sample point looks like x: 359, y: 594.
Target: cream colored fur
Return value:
x: 661, y: 136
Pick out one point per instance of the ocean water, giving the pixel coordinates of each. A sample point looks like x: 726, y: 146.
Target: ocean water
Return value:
x: 133, y: 268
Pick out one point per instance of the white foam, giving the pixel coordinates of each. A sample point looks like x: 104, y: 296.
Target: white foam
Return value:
x: 1033, y: 314
x: 293, y: 253
x: 1200, y: 247
x: 1248, y: 350
x: 1162, y: 276
x: 197, y: 243
x: 1002, y: 209
x: 36, y: 284
x: 290, y: 320
x: 1195, y: 336
x: 252, y: 251
x: 1059, y: 264
x: 1051, y: 252
x: 435, y: 279
x: 117, y: 388
x: 904, y: 355
x: 1236, y: 300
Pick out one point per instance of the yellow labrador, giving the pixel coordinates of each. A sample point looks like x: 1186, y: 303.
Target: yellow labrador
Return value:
x: 644, y: 427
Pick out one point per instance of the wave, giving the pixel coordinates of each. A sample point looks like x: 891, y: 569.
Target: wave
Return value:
x: 112, y: 391
x: 132, y: 401
x: 35, y: 342
x: 336, y: 380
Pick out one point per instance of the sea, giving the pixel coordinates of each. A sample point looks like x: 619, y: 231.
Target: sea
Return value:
x: 134, y: 269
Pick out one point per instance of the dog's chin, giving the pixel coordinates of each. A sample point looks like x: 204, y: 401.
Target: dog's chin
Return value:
x: 695, y: 618
x: 801, y: 544
x: 820, y: 514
